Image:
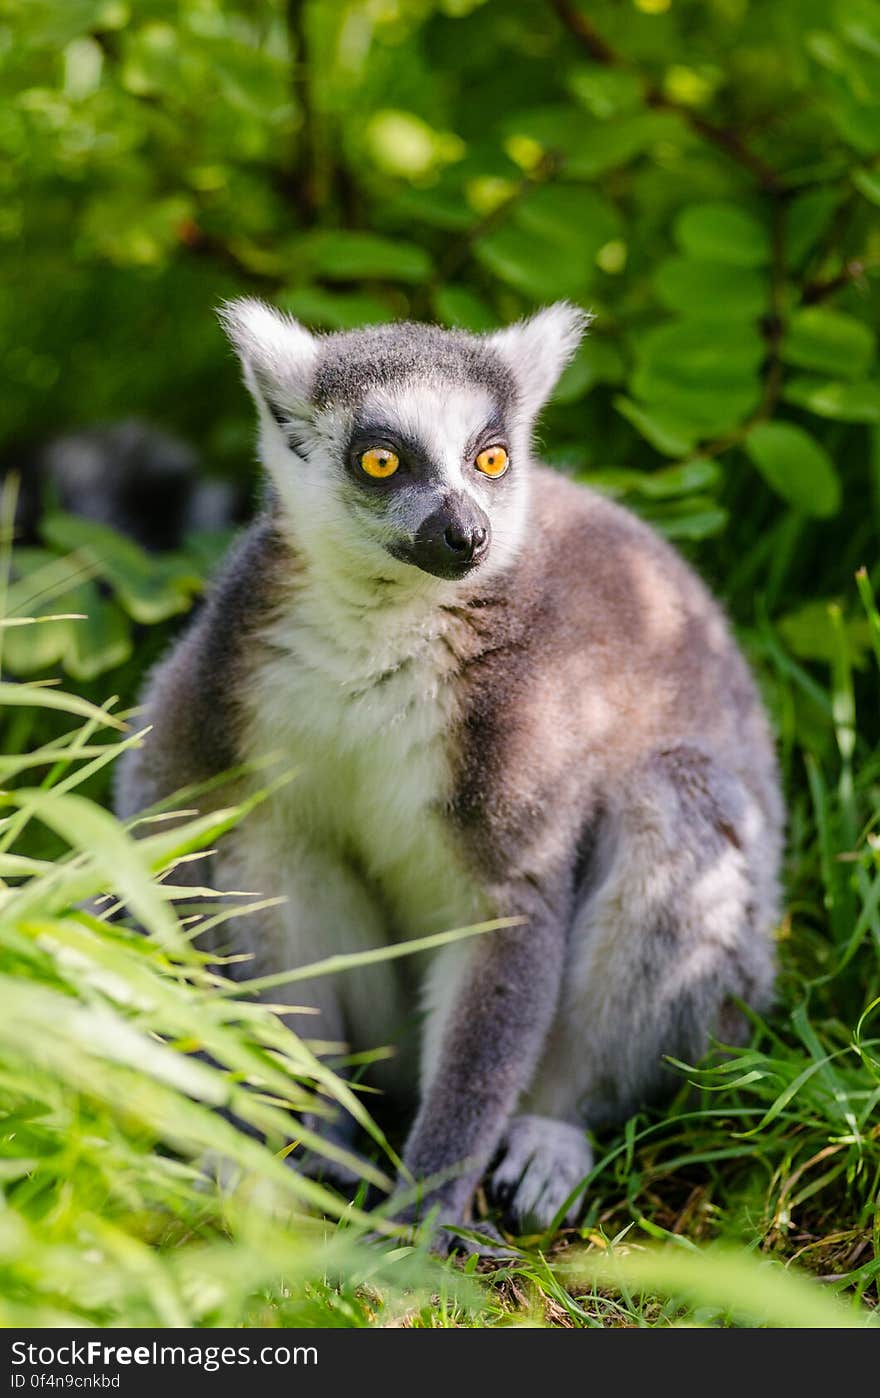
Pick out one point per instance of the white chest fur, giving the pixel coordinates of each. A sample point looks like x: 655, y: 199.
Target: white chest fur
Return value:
x: 360, y: 701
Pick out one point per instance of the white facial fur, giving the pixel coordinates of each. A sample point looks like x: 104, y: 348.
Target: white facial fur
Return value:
x: 445, y: 419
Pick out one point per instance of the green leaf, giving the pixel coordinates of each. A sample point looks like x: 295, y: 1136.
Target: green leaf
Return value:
x: 439, y: 206
x: 101, y: 640
x: 704, y: 373
x: 844, y: 402
x: 795, y: 466
x: 152, y: 60
x: 663, y: 484
x: 348, y: 256
x: 151, y: 587
x: 337, y: 310
x: 586, y: 146
x: 606, y: 92
x: 568, y: 223
x: 755, y: 1289
x: 462, y: 308
x: 123, y: 229
x: 697, y: 519
x: 91, y: 641
x: 608, y: 147
x: 52, y: 26
x: 596, y: 361
x: 87, y: 827
x: 858, y: 122
x: 510, y: 254
x: 29, y: 650
x: 568, y: 216
x: 810, y: 633
x: 809, y: 215
x: 818, y: 338
x: 707, y: 290
x: 36, y: 696
x: 722, y: 232
x: 671, y: 435
x: 867, y: 182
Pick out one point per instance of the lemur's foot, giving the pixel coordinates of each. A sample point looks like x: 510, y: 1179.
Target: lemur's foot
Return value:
x: 542, y: 1163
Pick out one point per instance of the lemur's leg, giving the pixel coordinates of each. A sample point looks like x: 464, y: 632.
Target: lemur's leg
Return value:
x: 676, y: 923
x: 327, y: 910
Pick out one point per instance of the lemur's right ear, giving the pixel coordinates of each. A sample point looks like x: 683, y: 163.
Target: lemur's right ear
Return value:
x: 538, y: 348
x: 277, y: 355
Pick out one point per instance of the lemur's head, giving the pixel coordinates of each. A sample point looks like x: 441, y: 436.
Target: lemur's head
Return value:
x: 402, y: 450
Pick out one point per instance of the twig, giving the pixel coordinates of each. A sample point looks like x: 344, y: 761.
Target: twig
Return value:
x: 583, y: 29
x: 853, y: 271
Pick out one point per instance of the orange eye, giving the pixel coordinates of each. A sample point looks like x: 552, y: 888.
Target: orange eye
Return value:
x: 379, y: 462
x: 492, y: 462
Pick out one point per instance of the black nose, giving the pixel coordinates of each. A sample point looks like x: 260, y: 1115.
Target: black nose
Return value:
x: 465, y: 543
x: 451, y: 541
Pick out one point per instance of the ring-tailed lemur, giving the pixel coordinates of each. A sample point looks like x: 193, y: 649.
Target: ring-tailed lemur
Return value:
x: 505, y: 697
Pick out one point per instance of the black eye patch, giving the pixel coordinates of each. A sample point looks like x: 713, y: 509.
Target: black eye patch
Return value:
x: 414, y: 460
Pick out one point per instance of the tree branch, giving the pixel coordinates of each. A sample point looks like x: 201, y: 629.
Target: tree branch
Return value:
x: 854, y: 271
x: 584, y: 31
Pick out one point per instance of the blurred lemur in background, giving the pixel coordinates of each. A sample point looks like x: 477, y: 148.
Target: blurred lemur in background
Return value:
x: 505, y: 697
x: 131, y: 475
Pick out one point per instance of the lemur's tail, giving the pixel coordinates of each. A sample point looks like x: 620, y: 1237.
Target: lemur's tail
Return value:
x: 142, y: 481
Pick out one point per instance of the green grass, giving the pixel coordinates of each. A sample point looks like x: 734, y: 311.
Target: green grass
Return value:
x: 761, y: 1176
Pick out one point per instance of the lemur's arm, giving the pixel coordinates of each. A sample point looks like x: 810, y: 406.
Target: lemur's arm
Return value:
x: 490, y: 1041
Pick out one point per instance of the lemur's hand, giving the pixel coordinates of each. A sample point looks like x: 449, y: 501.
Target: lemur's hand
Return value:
x: 538, y: 1173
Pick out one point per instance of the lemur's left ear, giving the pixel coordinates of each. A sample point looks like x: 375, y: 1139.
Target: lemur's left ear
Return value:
x: 276, y: 352
x: 538, y: 349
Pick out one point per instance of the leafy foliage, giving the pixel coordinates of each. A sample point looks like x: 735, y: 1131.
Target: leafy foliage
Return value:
x: 465, y: 161
x: 88, y: 587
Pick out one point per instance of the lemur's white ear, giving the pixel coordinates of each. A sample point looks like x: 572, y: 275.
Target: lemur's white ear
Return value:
x: 538, y: 349
x: 277, y: 354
